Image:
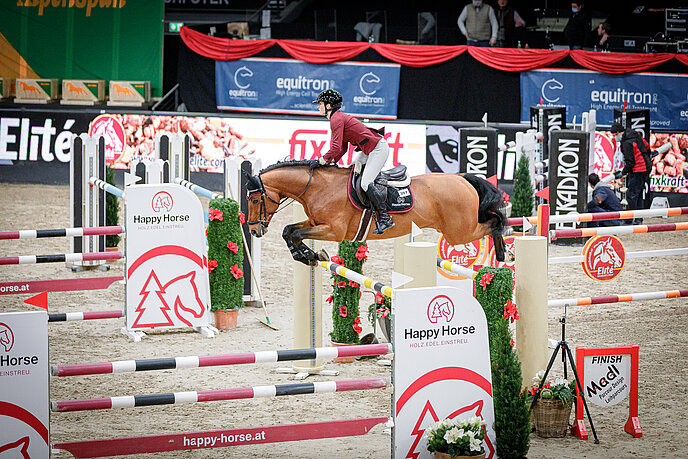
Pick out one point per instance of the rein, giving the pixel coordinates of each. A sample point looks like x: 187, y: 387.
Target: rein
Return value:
x: 263, y: 216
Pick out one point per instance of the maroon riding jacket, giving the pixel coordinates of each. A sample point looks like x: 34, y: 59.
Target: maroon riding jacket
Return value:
x: 348, y: 130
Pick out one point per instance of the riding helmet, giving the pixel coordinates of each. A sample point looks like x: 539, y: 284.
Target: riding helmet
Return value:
x: 330, y: 96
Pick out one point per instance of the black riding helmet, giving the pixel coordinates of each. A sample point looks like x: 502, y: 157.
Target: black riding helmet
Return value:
x: 332, y: 97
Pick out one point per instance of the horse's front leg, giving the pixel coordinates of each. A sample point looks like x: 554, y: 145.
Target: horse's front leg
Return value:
x: 319, y: 233
x: 298, y: 250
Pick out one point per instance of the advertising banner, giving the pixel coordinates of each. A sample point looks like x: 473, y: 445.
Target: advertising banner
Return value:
x: 547, y: 120
x: 581, y: 90
x: 24, y: 403
x: 289, y: 86
x: 569, y: 165
x: 167, y: 268
x: 441, y: 336
x: 34, y: 145
x: 478, y: 151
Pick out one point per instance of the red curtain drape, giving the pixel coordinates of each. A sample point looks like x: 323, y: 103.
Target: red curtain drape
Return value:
x: 418, y: 55
x: 507, y: 59
x: 222, y: 49
x: 516, y: 60
x: 319, y: 52
x: 618, y: 63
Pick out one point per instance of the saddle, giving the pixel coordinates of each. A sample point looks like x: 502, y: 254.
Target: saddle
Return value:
x: 392, y: 183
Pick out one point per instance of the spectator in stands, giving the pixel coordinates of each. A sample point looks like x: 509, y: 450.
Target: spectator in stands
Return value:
x: 508, y: 20
x: 603, y: 31
x: 603, y: 200
x: 578, y: 28
x: 478, y: 23
x: 637, y: 164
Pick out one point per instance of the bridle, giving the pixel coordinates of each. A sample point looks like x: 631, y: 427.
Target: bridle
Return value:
x: 264, y: 217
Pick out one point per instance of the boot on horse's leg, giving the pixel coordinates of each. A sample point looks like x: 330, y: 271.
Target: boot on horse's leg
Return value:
x: 383, y: 220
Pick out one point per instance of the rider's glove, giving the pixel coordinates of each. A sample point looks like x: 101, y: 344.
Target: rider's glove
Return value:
x: 322, y: 161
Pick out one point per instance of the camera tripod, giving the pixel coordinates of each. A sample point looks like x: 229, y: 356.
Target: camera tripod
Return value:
x: 566, y: 350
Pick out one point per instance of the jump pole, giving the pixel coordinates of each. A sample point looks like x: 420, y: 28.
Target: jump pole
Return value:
x: 57, y: 285
x: 66, y: 257
x: 531, y: 298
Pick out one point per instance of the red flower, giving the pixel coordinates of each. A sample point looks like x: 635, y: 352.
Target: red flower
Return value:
x: 532, y: 390
x: 242, y: 218
x: 341, y: 284
x: 487, y: 277
x: 511, y: 311
x: 547, y: 384
x: 236, y: 272
x: 512, y: 343
x: 233, y: 247
x: 342, y: 311
x: 357, y: 328
x: 212, y: 264
x: 353, y: 284
x: 379, y: 298
x: 357, y: 320
x: 336, y: 259
x: 385, y: 313
x: 330, y: 299
x: 215, y: 214
x: 362, y: 253
x: 206, y: 232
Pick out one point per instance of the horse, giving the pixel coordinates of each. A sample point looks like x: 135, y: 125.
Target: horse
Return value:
x: 463, y: 207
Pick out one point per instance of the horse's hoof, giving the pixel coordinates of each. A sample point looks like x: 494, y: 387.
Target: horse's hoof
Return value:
x: 511, y: 256
x: 322, y: 255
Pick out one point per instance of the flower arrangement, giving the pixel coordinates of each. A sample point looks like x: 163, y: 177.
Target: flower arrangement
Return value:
x: 457, y: 437
x: 346, y: 322
x: 559, y: 389
x: 382, y: 307
x: 225, y: 254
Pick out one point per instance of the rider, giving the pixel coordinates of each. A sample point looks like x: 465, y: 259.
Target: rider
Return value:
x: 374, y: 150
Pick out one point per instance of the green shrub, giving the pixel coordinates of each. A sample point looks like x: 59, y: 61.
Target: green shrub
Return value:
x: 523, y: 198
x: 111, y: 210
x: 346, y: 322
x: 225, y: 254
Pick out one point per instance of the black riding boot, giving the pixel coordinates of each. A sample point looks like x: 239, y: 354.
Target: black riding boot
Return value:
x: 383, y: 220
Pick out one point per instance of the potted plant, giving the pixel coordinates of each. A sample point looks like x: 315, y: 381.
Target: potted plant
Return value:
x: 455, y: 438
x: 111, y: 212
x: 225, y: 258
x: 346, y: 322
x: 379, y: 312
x: 553, y: 407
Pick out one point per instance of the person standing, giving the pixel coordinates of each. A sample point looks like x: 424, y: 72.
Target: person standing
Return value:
x: 478, y: 24
x: 578, y: 28
x: 603, y: 31
x: 637, y: 165
x: 508, y: 20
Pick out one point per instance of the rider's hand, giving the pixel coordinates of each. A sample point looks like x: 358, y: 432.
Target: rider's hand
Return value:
x: 322, y: 161
x: 618, y: 175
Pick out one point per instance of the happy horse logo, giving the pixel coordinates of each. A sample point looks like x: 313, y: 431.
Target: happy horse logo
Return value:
x: 6, y: 337
x: 369, y: 83
x: 241, y: 73
x: 604, y: 258
x: 550, y: 86
x: 441, y: 307
x: 162, y: 201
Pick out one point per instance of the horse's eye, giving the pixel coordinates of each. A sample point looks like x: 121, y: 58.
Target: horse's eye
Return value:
x: 255, y: 201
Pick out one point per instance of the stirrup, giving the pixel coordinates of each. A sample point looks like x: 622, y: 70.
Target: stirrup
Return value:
x: 383, y: 225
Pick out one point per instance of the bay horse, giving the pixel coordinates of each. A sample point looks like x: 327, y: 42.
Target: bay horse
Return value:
x: 463, y: 207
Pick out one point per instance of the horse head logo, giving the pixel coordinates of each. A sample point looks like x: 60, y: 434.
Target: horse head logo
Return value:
x: 162, y: 201
x: 240, y: 74
x: 469, y: 249
x: 605, y: 254
x: 441, y: 307
x: 6, y: 337
x: 369, y: 83
x: 549, y: 90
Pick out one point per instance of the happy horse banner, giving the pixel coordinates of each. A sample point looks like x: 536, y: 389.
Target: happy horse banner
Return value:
x: 441, y: 336
x: 289, y: 86
x: 167, y: 275
x: 24, y: 416
x: 581, y: 90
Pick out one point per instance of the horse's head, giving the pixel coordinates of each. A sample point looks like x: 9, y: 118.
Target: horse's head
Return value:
x: 261, y: 205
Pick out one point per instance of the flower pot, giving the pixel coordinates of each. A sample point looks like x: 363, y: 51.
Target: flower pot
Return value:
x: 551, y: 418
x: 226, y: 319
x: 439, y: 455
x: 112, y: 249
x: 343, y: 359
x: 384, y: 325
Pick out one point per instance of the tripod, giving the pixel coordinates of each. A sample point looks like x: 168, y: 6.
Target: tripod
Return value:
x: 566, y: 350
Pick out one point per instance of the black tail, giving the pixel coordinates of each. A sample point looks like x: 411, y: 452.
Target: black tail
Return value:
x: 489, y: 211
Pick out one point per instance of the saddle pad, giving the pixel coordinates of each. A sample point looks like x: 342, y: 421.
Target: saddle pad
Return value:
x: 399, y: 200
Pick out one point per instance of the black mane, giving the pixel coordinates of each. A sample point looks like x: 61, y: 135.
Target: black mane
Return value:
x: 312, y: 163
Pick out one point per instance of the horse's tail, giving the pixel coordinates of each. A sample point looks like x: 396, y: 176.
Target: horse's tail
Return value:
x: 491, y: 200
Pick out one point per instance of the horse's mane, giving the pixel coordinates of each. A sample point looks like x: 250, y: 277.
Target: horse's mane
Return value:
x: 295, y: 163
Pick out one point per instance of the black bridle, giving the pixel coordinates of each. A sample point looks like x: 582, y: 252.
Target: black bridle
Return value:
x: 263, y: 216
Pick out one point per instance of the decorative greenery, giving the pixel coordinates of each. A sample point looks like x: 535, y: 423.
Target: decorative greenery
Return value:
x: 382, y: 307
x: 346, y: 322
x: 523, y: 198
x: 225, y: 254
x: 111, y: 210
x: 493, y: 290
x: 457, y: 437
x: 559, y: 389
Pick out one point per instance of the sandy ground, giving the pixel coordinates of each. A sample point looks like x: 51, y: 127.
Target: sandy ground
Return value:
x: 657, y: 326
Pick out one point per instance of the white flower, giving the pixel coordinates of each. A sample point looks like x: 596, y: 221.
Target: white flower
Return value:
x: 560, y: 382
x: 453, y: 434
x: 476, y: 445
